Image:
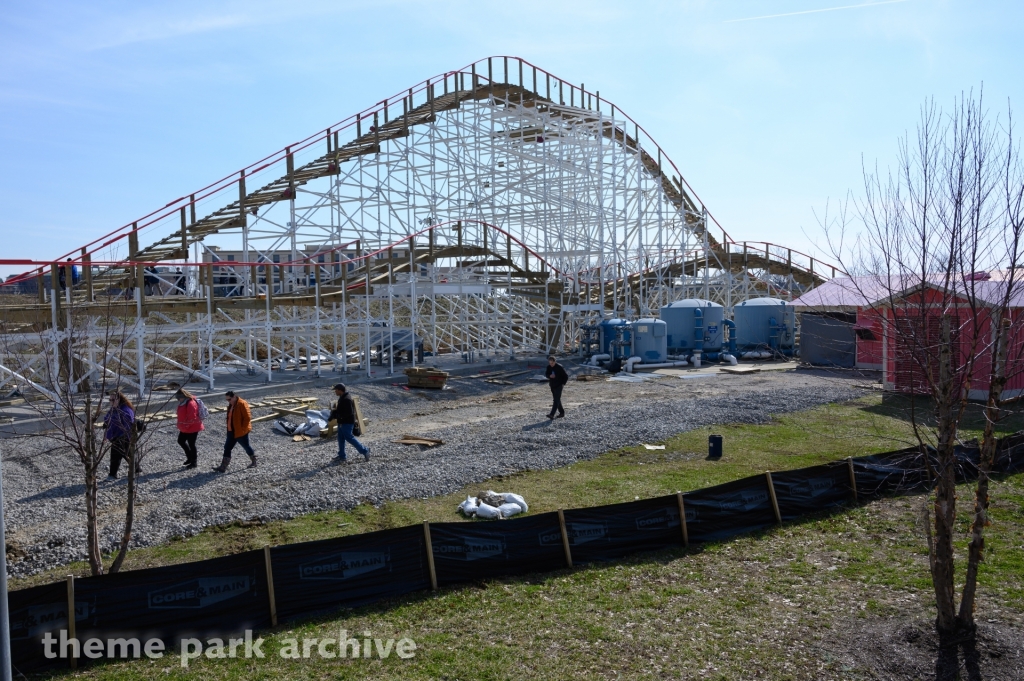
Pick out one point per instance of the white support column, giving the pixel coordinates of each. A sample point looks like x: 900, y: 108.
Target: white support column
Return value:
x: 209, y: 325
x: 140, y: 350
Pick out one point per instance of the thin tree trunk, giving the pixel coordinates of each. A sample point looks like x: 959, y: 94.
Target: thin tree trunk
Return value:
x: 975, y: 552
x: 945, y: 494
x: 92, y: 522
x: 129, y: 516
x: 91, y: 456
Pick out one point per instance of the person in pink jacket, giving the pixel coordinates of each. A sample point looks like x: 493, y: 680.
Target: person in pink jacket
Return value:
x: 190, y: 423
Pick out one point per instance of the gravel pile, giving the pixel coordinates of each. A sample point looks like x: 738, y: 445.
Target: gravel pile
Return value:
x: 487, y: 430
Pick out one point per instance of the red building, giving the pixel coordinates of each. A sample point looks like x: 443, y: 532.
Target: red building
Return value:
x: 898, y: 330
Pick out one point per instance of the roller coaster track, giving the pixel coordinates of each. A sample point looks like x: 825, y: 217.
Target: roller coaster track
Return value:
x: 516, y: 184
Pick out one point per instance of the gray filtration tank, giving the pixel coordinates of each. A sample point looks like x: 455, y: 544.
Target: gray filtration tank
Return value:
x: 650, y: 340
x: 681, y: 318
x: 754, y: 328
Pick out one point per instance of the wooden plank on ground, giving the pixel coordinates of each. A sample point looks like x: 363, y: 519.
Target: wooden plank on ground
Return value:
x: 740, y: 370
x: 419, y: 440
x: 296, y: 412
x: 359, y: 415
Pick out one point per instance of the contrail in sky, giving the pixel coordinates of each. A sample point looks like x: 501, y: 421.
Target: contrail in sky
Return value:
x: 815, y: 11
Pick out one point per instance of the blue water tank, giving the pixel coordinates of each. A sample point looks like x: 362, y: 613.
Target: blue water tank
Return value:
x: 608, y: 334
x: 682, y: 325
x: 650, y: 340
x: 754, y: 324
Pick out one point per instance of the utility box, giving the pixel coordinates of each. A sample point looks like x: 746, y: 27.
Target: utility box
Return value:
x: 421, y: 377
x: 714, y: 446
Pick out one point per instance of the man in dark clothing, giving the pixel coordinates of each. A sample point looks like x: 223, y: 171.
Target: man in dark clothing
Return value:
x: 557, y: 378
x: 63, y: 276
x: 344, y: 412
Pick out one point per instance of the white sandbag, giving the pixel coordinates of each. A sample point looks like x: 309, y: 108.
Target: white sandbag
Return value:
x: 469, y: 506
x: 487, y: 512
x: 510, y: 509
x: 512, y: 498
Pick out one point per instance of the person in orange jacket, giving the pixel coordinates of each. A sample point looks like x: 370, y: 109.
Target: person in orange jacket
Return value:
x: 239, y: 427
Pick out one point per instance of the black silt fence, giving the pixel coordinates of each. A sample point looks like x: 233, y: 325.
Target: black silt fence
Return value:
x: 604, y: 533
x: 723, y: 511
x: 465, y: 552
x: 810, y: 490
x: 322, y: 576
x: 35, y: 612
x: 257, y: 589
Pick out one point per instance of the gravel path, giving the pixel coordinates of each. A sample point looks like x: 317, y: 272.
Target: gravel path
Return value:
x: 488, y: 430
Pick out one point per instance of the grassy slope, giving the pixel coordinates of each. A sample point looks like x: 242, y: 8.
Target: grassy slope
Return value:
x: 737, y: 609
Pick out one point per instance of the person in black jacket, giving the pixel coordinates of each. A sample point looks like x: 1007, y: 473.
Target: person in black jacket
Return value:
x: 344, y: 412
x: 557, y: 378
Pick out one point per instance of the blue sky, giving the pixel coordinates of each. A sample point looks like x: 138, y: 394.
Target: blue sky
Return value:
x: 112, y: 109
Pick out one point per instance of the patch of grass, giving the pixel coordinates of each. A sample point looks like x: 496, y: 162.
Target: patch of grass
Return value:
x: 761, y: 606
x: 869, y: 425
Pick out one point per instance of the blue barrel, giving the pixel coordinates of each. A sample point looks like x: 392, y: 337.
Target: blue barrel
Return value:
x: 650, y: 340
x: 754, y: 321
x: 681, y: 318
x: 608, y: 334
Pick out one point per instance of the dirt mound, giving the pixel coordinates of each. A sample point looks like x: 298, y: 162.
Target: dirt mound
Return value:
x: 900, y: 649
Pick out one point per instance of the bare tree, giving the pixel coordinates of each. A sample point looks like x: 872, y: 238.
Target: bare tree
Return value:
x: 69, y: 366
x: 935, y: 250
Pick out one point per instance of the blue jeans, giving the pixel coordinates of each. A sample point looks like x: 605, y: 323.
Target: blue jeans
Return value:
x: 230, y: 444
x: 345, y: 435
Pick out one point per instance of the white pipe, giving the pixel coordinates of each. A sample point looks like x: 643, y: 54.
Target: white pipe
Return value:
x: 696, y: 359
x: 630, y: 362
x: 662, y: 365
x: 729, y: 358
x: 597, y: 358
x: 756, y: 354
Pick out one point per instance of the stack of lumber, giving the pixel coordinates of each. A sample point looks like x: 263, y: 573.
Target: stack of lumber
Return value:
x: 421, y: 377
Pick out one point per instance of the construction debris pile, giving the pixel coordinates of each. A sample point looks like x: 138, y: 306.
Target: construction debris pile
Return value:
x: 316, y: 420
x: 493, y: 505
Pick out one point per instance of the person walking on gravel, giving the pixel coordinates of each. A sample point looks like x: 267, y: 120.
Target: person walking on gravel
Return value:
x: 344, y: 412
x: 557, y: 378
x: 119, y: 422
x: 239, y: 427
x: 190, y: 423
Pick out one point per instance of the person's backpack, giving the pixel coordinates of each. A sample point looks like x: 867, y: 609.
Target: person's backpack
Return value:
x: 204, y: 412
x: 140, y: 426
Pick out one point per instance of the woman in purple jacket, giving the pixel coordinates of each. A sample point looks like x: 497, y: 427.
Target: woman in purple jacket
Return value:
x: 119, y: 422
